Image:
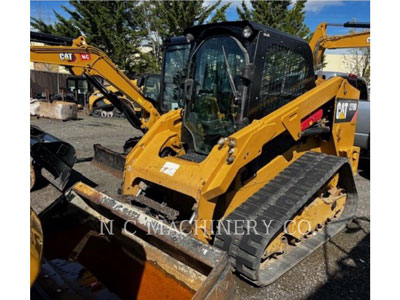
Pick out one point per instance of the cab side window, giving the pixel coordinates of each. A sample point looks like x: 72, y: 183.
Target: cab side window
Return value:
x: 283, y: 79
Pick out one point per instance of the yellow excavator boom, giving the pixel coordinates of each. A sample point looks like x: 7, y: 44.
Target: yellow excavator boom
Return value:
x: 82, y: 58
x: 320, y: 41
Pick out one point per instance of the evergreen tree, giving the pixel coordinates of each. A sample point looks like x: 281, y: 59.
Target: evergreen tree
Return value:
x: 282, y: 15
x: 63, y: 27
x: 172, y: 17
x: 122, y: 28
x: 220, y: 14
x: 105, y: 25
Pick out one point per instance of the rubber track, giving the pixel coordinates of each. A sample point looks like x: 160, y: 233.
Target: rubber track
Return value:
x: 278, y: 201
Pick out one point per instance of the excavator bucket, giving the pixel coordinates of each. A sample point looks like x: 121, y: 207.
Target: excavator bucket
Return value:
x: 51, y: 157
x: 97, y: 247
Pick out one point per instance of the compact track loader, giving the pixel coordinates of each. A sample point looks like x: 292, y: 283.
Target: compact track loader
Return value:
x: 255, y: 170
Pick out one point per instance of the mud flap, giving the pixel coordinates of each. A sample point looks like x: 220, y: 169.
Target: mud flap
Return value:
x: 54, y: 157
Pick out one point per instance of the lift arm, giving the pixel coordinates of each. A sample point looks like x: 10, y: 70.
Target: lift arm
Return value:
x: 320, y: 41
x: 82, y: 58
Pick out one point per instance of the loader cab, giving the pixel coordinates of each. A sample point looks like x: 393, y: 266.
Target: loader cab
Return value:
x: 239, y: 72
x: 150, y: 84
x: 176, y: 54
x: 80, y: 89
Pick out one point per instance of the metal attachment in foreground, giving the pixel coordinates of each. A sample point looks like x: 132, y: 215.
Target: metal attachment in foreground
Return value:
x: 159, y: 237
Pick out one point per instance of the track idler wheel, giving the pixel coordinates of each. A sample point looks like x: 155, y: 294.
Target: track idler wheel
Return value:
x: 103, y: 114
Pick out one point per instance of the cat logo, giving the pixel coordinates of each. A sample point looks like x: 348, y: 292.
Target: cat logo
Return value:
x: 346, y: 110
x: 341, y: 110
x: 67, y: 56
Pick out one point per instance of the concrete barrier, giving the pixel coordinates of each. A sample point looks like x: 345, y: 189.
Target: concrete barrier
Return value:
x: 58, y: 110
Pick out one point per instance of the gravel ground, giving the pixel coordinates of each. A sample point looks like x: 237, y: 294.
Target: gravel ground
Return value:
x: 338, y: 270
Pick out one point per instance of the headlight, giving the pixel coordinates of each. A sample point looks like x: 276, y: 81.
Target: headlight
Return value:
x: 247, y: 32
x: 189, y: 37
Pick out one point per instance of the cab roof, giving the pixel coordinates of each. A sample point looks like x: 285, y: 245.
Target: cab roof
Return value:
x: 235, y: 27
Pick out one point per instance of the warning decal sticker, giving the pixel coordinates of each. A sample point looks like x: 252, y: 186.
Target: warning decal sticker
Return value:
x: 169, y: 168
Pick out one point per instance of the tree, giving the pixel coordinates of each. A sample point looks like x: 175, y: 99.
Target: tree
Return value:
x: 358, y: 62
x: 63, y: 27
x: 105, y: 25
x: 282, y: 15
x: 172, y: 17
x: 163, y: 19
x: 123, y: 28
x: 220, y: 14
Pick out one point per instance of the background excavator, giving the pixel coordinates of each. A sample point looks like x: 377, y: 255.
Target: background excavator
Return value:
x: 138, y: 100
x: 99, y: 106
x: 83, y: 59
x: 321, y: 41
x: 260, y: 144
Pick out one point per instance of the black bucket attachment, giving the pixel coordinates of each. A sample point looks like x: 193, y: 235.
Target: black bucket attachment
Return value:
x: 52, y: 157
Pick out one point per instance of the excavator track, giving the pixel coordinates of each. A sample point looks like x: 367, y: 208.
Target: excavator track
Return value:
x: 283, y: 198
